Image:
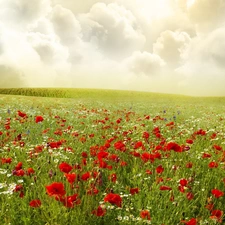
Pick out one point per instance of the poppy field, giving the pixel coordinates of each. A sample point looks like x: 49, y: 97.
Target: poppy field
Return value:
x: 156, y: 160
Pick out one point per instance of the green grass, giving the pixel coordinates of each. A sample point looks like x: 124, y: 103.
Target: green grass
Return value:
x: 85, y: 119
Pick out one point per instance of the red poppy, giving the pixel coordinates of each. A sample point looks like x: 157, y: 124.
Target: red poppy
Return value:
x: 159, y: 169
x: 39, y: 119
x: 206, y: 155
x: 113, y: 177
x: 134, y: 191
x: 217, y: 193
x: 114, y: 199
x: 217, y: 147
x: 181, y: 188
x: 183, y: 182
x: 165, y: 188
x: 189, y: 165
x: 174, y: 146
x: 19, y: 187
x: 99, y: 211
x: 86, y: 176
x: 84, y: 154
x: 71, y: 177
x: 145, y: 214
x: 190, y: 195
x: 56, y: 189
x: 19, y: 173
x: 138, y: 145
x: 30, y: 171
x: 35, y: 203
x: 56, y: 144
x: 216, y: 215
x: 189, y: 141
x: 19, y: 166
x: 6, y: 160
x: 145, y: 135
x: 119, y: 145
x: 213, y: 165
x: 71, y: 201
x: 65, y: 167
x: 192, y: 221
x: 21, y: 114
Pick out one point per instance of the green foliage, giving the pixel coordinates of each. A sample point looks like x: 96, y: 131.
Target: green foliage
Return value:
x: 87, y: 119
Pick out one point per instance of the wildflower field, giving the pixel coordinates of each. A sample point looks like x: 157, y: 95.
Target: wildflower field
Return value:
x: 112, y: 158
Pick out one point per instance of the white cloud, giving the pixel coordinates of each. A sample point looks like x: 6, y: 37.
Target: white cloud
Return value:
x: 65, y: 25
x: 170, y: 46
x: 204, y: 64
x: 113, y: 29
x: 20, y: 13
x: 145, y: 64
x: 205, y: 14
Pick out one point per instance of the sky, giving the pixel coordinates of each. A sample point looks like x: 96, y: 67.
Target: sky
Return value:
x: 166, y: 46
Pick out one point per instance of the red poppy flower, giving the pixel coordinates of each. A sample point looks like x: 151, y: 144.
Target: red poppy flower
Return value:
x: 65, y: 167
x: 19, y: 187
x: 213, y: 165
x: 19, y: 166
x: 134, y: 191
x: 145, y: 135
x: 39, y: 119
x: 190, y: 195
x: 183, y: 182
x: 189, y: 165
x: 99, y: 211
x: 56, y: 189
x: 145, y: 214
x: 192, y: 221
x: 6, y: 160
x: 216, y: 215
x: 21, y: 114
x: 174, y: 146
x: 86, y: 176
x: 113, y: 177
x: 206, y: 155
x: 56, y: 144
x: 19, y: 173
x: 217, y: 193
x: 35, y: 203
x: 165, y: 188
x: 71, y: 201
x: 159, y: 169
x: 114, y: 199
x: 189, y: 141
x: 71, y: 177
x: 120, y: 146
x: 30, y: 171
x: 217, y: 147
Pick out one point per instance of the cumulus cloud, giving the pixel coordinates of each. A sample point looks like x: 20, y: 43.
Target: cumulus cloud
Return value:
x: 110, y: 43
x: 145, y: 63
x: 113, y: 29
x: 171, y: 45
x: 205, y: 14
x: 65, y: 25
x: 23, y: 12
x: 204, y: 64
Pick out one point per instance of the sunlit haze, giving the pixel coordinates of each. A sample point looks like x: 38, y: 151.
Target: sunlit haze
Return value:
x: 167, y: 46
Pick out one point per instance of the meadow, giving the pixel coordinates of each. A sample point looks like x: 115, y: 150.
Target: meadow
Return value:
x: 83, y: 156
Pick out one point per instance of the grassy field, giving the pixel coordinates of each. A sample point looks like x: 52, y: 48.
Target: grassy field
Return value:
x: 82, y: 156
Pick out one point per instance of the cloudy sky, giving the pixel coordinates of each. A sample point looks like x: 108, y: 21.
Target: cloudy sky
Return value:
x: 169, y: 46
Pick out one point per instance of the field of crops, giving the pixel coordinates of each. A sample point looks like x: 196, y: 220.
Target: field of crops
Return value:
x: 116, y: 158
